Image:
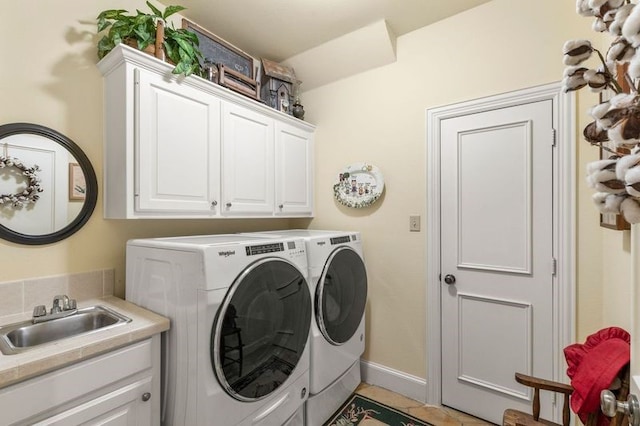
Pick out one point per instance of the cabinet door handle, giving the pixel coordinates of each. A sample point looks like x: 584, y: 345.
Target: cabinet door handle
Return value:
x: 281, y: 206
x: 214, y: 203
x: 228, y: 204
x: 146, y: 396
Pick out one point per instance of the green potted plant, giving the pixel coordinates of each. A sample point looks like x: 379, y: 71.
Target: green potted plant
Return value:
x: 181, y: 46
x: 143, y: 30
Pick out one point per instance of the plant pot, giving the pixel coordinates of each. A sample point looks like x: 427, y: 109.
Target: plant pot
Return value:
x: 150, y: 49
x: 153, y: 49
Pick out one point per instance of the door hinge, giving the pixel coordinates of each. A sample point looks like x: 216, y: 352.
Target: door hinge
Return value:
x: 553, y: 137
x: 554, y: 266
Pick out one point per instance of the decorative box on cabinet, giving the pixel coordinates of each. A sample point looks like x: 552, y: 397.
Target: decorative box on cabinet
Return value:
x: 180, y: 147
x: 278, y: 83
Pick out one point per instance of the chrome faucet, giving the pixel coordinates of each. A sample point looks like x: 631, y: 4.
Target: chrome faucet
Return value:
x: 62, y: 307
x: 56, y: 304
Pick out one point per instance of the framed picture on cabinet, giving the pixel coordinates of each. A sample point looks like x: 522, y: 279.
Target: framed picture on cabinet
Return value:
x: 235, y: 69
x: 219, y: 52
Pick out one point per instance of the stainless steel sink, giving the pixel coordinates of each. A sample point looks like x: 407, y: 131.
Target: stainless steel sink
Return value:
x: 18, y: 337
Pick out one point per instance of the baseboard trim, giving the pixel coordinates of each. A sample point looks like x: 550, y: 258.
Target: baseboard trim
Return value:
x: 397, y: 381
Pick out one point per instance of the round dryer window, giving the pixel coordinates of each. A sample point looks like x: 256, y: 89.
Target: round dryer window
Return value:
x: 261, y: 329
x: 341, y: 295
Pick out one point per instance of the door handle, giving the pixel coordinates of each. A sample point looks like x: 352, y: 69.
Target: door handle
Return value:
x: 450, y: 279
x: 610, y: 406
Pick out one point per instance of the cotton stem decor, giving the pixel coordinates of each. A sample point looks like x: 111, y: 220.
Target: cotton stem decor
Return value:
x: 28, y: 195
x: 616, y: 119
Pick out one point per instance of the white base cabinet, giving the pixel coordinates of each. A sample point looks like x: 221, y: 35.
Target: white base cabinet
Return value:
x: 180, y: 147
x: 119, y: 388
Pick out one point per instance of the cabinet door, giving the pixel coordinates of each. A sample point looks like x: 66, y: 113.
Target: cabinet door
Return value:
x: 293, y: 170
x: 126, y: 406
x: 247, y: 161
x: 177, y: 147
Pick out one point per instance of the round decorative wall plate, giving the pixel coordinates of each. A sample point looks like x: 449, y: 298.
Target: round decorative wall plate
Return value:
x: 359, y: 185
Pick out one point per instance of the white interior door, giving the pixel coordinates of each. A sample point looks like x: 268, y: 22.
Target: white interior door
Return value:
x: 497, y: 256
x: 50, y: 213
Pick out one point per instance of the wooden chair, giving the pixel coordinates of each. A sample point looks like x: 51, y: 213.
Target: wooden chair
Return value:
x: 512, y: 417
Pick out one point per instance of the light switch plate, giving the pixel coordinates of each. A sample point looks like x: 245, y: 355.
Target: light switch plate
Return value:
x: 414, y: 223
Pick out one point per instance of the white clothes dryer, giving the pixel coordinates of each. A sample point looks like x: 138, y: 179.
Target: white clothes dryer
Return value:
x: 338, y: 280
x: 237, y: 352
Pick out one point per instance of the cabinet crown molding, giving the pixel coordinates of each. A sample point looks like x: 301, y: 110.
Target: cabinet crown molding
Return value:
x: 136, y: 58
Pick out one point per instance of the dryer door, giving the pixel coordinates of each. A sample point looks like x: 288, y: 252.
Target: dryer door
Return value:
x: 261, y: 329
x: 341, y: 295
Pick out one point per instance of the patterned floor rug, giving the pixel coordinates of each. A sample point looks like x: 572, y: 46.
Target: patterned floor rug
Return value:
x: 359, y: 410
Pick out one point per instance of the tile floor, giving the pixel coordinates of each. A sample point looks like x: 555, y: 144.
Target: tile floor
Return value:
x: 437, y: 416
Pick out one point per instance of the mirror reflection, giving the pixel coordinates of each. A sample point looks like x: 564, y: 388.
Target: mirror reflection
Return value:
x: 47, y: 185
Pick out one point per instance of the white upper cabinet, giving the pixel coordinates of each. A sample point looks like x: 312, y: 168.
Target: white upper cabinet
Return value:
x: 294, y: 171
x: 177, y: 147
x: 247, y: 161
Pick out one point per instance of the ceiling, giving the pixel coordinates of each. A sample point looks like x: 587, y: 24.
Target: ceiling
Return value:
x: 280, y: 29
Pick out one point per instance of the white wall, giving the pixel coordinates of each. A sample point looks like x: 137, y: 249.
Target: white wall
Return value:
x: 379, y: 117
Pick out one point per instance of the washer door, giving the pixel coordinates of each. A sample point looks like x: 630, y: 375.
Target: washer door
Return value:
x: 261, y: 329
x: 341, y: 295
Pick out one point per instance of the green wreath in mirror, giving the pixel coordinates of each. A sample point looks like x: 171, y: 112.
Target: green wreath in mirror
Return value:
x: 30, y: 193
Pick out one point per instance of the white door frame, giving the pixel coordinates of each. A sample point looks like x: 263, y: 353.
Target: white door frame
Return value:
x: 564, y: 220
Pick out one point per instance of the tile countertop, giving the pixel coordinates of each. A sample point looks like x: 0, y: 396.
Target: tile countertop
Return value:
x: 54, y: 355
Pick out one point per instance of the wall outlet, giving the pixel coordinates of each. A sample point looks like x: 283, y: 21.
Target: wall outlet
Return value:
x: 414, y: 223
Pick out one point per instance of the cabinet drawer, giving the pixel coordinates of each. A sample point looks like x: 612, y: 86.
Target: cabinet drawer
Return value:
x: 32, y: 398
x: 119, y: 407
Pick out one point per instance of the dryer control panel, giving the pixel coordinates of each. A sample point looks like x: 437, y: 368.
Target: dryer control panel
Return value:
x: 287, y: 249
x: 266, y: 248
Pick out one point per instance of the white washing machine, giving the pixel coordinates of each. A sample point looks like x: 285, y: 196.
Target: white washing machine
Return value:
x: 237, y: 352
x: 338, y: 280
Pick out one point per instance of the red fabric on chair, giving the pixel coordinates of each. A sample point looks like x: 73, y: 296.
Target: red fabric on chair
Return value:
x: 592, y: 367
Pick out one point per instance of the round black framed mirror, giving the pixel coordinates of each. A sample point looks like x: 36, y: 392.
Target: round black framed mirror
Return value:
x: 48, y: 188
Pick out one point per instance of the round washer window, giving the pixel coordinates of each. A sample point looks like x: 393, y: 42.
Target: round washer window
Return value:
x: 261, y: 329
x: 341, y: 295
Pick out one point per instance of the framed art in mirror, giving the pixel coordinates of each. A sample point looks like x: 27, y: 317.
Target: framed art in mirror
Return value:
x: 77, y: 183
